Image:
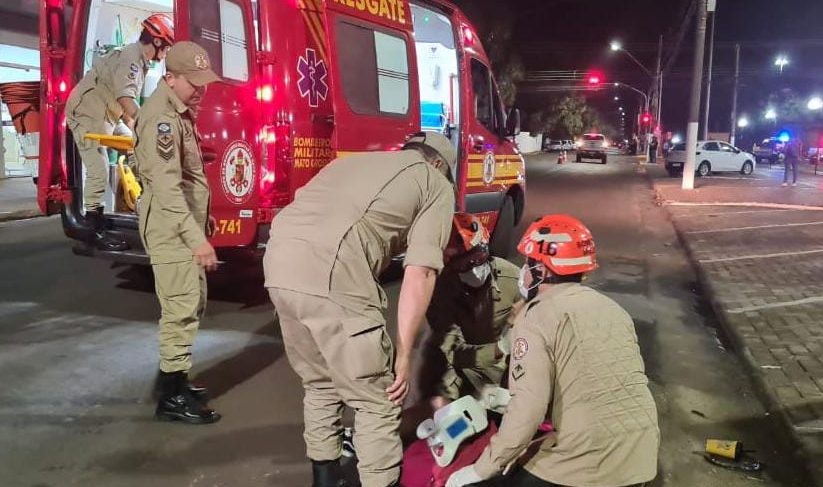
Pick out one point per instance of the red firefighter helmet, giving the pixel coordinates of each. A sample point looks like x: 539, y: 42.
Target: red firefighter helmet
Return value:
x: 560, y: 242
x: 471, y: 231
x: 160, y: 27
x: 469, y: 245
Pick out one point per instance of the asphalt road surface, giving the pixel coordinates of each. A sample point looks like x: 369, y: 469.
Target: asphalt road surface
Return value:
x: 78, y: 357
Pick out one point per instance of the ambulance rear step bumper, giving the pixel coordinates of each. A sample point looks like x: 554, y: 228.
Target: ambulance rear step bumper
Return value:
x: 131, y: 256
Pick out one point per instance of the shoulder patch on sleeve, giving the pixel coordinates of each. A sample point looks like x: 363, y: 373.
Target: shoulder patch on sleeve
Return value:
x: 520, y: 348
x: 165, y: 141
x: 133, y: 70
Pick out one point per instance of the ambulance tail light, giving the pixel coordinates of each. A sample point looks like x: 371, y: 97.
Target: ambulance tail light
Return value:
x: 265, y: 93
x: 276, y: 142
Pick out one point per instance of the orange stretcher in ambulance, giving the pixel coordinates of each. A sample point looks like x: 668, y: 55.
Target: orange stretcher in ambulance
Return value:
x: 303, y: 82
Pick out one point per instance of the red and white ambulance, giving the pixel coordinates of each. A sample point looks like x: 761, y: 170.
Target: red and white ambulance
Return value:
x: 303, y: 82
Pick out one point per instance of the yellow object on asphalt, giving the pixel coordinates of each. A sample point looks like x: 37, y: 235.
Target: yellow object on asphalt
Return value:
x: 118, y: 142
x: 724, y: 448
x: 131, y: 188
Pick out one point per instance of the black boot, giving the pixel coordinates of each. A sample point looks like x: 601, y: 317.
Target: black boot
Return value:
x: 178, y: 404
x: 200, y: 392
x: 327, y: 474
x: 99, y: 236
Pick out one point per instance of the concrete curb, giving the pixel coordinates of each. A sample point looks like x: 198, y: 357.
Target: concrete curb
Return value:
x: 20, y: 215
x: 738, y: 344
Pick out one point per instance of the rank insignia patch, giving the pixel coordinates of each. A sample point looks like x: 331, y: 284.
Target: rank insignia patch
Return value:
x: 165, y: 141
x: 518, y: 371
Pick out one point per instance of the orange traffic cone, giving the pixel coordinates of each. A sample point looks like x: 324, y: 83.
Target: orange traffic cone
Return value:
x: 562, y: 157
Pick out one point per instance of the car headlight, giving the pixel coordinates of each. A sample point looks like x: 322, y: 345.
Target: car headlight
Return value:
x: 605, y: 145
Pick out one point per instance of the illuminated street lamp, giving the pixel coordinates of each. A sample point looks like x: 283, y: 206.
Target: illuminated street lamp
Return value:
x: 815, y: 103
x: 781, y: 62
x: 771, y: 114
x: 743, y: 122
x: 615, y: 46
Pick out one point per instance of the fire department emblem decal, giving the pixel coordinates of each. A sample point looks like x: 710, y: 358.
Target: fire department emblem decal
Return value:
x: 237, y: 172
x: 312, y: 83
x: 489, y: 168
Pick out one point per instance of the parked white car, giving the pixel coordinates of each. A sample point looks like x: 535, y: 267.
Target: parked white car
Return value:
x: 553, y: 145
x: 712, y: 156
x: 568, y: 145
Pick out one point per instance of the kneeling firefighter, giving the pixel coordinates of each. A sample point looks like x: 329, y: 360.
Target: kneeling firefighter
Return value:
x: 575, y: 360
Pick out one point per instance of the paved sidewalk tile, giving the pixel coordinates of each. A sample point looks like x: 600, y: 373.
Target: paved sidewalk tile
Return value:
x: 763, y: 272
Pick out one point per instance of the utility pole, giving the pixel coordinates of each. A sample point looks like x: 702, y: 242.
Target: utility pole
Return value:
x: 734, y: 92
x: 659, y: 104
x: 2, y: 148
x: 697, y: 84
x: 709, y: 78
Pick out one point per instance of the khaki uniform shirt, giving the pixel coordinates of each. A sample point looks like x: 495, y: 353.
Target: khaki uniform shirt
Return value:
x: 575, y: 360
x: 343, y: 227
x: 174, y: 207
x: 481, y: 314
x: 121, y: 73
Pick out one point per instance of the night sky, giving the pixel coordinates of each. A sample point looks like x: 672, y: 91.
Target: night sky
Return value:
x: 574, y: 34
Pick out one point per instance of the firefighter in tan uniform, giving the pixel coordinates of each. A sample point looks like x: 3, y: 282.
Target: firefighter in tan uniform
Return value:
x: 322, y: 263
x: 175, y: 222
x: 574, y: 361
x: 107, y: 95
x: 470, y: 316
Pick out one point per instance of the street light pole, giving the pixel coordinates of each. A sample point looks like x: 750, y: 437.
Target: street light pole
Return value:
x: 697, y: 84
x: 709, y: 80
x: 659, y: 118
x: 734, y: 92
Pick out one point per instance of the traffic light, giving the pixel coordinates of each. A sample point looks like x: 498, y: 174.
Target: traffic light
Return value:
x: 646, y: 119
x: 594, y: 80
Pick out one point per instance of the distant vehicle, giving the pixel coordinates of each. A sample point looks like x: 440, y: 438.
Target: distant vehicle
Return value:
x: 568, y: 145
x: 712, y: 156
x: 768, y: 151
x: 592, y: 146
x: 553, y: 145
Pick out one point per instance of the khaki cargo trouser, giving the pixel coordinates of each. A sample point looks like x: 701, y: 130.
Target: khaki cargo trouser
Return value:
x: 343, y: 359
x: 95, y: 159
x: 182, y: 292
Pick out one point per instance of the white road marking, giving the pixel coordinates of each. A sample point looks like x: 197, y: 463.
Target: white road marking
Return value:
x: 760, y: 256
x: 737, y: 229
x: 750, y: 204
x: 685, y: 215
x: 783, y: 304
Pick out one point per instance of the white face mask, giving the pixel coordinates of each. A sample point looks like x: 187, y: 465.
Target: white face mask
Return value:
x: 477, y: 276
x: 521, y: 281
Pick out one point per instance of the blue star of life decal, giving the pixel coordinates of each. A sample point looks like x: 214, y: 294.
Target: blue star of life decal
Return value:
x: 313, y: 73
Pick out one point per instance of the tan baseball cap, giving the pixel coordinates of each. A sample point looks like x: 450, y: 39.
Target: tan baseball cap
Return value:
x: 439, y: 143
x: 192, y: 61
